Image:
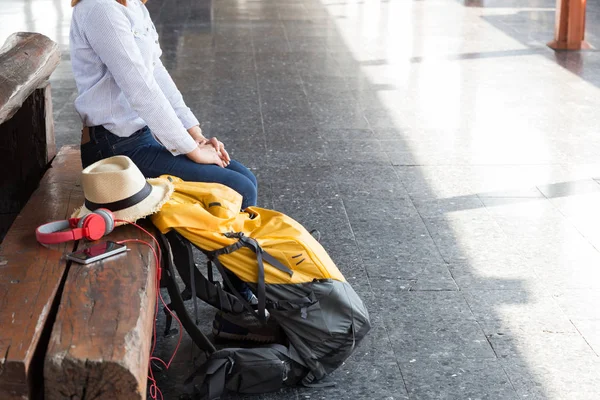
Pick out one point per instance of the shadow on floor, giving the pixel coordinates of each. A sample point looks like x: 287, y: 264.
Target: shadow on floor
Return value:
x: 296, y: 107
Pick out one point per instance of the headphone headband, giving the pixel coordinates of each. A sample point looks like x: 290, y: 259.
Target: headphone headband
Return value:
x: 55, y: 232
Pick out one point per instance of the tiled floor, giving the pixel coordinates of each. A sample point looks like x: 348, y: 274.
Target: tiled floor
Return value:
x: 448, y: 157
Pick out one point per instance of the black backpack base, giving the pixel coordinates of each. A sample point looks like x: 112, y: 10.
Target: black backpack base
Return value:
x: 246, y: 370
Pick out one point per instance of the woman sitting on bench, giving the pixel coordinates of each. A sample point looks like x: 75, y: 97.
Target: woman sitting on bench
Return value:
x: 130, y: 105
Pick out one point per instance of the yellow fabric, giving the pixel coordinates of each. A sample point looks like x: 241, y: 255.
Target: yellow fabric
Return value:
x: 202, y: 212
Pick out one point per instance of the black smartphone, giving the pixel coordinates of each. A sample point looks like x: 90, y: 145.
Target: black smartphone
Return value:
x: 96, y: 252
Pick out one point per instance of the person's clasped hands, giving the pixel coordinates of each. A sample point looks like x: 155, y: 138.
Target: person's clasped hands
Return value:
x: 209, y: 150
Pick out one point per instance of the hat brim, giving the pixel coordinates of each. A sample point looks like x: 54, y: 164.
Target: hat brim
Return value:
x: 162, y: 190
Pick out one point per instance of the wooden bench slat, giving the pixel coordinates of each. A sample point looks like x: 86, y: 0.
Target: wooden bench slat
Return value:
x: 103, y: 327
x: 31, y: 299
x: 100, y: 341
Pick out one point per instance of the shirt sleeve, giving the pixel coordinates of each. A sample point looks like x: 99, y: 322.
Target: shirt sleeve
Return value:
x: 174, y: 96
x: 109, y: 33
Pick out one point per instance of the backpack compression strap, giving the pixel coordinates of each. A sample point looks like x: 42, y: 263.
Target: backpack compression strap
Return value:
x: 213, y: 372
x: 252, y: 244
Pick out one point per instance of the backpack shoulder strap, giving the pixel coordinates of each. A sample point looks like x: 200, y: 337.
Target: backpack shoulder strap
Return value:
x: 206, y: 289
x: 177, y: 301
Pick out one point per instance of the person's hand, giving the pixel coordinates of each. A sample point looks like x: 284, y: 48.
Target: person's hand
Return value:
x: 206, y: 154
x: 220, y: 147
x: 196, y: 134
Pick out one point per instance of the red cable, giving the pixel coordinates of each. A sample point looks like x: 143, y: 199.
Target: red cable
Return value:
x: 154, y: 390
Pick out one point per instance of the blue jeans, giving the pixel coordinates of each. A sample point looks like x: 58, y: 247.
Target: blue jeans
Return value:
x: 154, y: 160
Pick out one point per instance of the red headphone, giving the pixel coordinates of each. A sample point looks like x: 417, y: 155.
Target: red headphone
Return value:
x: 91, y: 227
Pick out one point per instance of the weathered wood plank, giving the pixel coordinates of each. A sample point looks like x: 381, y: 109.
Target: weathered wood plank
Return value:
x: 100, y: 342
x: 27, y: 141
x: 26, y: 61
x: 49, y: 121
x: 26, y: 147
x: 30, y: 276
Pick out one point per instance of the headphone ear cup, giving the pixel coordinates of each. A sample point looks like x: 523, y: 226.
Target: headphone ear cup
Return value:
x: 109, y: 219
x: 82, y: 220
x: 94, y: 225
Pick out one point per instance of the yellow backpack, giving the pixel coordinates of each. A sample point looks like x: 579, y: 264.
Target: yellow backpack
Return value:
x: 291, y: 273
x: 206, y: 214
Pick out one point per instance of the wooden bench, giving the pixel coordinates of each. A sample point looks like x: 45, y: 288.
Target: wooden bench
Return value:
x: 69, y: 330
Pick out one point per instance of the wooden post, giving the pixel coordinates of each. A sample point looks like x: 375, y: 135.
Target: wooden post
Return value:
x: 569, y: 30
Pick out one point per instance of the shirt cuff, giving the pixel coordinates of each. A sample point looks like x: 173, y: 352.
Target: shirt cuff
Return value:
x: 188, y: 119
x: 187, y: 144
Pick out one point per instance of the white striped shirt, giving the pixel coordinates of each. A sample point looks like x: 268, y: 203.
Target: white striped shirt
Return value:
x: 122, y: 83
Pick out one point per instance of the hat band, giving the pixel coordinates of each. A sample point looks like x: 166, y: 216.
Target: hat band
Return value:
x: 121, y: 204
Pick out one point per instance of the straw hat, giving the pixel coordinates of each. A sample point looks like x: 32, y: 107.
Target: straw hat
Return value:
x: 117, y: 184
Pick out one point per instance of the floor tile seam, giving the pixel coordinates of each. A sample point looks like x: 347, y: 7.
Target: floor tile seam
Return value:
x: 582, y: 336
x: 567, y: 218
x: 362, y: 261
x: 411, y: 290
x: 480, y: 327
x: 455, y: 164
x: 466, y: 290
x: 370, y: 127
x: 445, y: 262
x: 256, y: 79
x: 397, y: 360
x: 302, y: 82
x: 187, y: 19
x: 512, y: 385
x: 304, y: 90
x: 410, y: 197
x: 482, y: 196
x: 490, y: 215
x: 285, y: 32
x: 160, y: 10
x: 399, y: 367
x: 259, y: 99
x: 295, y: 68
x: 522, y: 253
x: 500, y: 320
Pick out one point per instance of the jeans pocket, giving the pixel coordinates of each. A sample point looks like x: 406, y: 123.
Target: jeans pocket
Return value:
x: 126, y: 144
